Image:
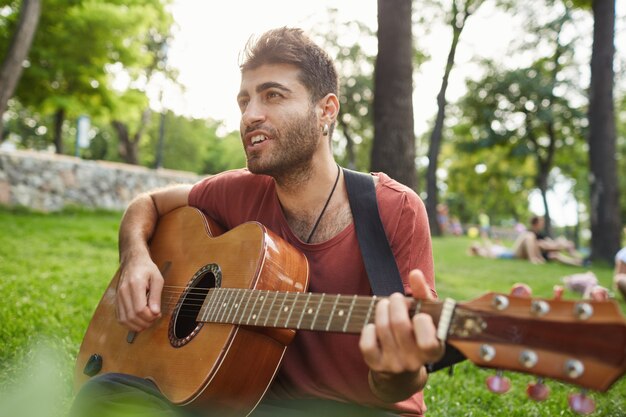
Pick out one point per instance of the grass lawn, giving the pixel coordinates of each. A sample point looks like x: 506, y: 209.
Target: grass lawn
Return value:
x: 54, y: 268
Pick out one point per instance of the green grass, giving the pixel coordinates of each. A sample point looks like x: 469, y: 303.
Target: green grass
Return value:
x: 54, y: 268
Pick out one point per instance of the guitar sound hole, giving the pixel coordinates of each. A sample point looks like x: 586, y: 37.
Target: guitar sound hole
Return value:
x: 183, y: 324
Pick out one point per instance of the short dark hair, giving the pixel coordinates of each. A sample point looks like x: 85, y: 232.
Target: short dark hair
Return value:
x: 535, y: 220
x: 291, y: 46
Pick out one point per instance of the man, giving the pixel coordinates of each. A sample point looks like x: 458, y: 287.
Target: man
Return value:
x: 289, y: 105
x: 552, y: 249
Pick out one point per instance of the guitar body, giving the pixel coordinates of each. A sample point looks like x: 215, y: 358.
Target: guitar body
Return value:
x: 209, y: 364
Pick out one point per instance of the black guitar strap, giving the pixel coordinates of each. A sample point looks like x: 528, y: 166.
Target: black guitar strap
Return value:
x: 379, y: 261
x: 378, y: 258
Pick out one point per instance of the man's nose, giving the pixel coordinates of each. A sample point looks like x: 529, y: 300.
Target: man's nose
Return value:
x: 254, y: 113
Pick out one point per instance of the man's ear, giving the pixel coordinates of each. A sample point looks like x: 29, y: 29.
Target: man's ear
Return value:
x: 328, y: 109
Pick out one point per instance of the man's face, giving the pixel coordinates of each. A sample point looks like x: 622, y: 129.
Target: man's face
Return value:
x: 279, y: 126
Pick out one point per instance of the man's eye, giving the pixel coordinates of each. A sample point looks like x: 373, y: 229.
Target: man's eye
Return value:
x: 273, y: 94
x: 243, y: 104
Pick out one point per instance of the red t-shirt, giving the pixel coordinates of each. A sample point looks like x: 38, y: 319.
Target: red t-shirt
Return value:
x: 318, y: 364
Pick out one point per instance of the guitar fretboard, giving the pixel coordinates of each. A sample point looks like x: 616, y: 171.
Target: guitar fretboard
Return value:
x: 291, y: 310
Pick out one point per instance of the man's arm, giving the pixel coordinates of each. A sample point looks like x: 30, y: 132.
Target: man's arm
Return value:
x: 140, y: 281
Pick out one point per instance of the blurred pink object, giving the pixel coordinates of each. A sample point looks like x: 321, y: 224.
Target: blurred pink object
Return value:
x: 580, y: 283
x: 558, y: 292
x: 520, y: 289
x: 597, y: 293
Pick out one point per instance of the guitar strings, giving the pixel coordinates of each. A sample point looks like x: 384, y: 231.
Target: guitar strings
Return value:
x: 194, y: 298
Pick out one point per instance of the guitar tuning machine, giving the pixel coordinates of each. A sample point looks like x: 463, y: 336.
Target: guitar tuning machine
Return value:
x: 583, y: 311
x: 498, y: 383
x: 539, y: 307
x: 581, y: 403
x: 500, y: 302
x: 537, y: 391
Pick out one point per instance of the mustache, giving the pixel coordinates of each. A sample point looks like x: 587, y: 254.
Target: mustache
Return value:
x: 270, y: 130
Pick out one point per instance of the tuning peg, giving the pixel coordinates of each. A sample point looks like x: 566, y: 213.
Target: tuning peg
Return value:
x: 537, y: 391
x: 498, y: 383
x: 520, y: 289
x: 581, y: 403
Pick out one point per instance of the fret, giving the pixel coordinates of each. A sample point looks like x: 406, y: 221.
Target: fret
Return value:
x: 252, y: 313
x: 293, y: 307
x: 203, y: 309
x: 280, y: 309
x: 317, y: 311
x: 269, y: 310
x: 304, y: 309
x: 332, y: 313
x: 235, y: 305
x: 231, y: 304
x: 224, y: 304
x: 245, y: 308
x: 369, y: 311
x: 349, y: 315
x: 216, y: 307
x: 264, y: 298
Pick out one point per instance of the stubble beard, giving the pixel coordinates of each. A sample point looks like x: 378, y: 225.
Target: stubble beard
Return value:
x: 294, y: 146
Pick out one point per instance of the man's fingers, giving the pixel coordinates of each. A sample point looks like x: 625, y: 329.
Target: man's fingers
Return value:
x: 154, y: 297
x: 420, y: 289
x: 426, y: 336
x: 368, y: 343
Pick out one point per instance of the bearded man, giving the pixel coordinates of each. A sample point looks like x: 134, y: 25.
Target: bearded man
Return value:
x: 293, y: 186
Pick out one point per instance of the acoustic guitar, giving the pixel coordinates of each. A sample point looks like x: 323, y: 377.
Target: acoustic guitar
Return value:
x: 232, y: 302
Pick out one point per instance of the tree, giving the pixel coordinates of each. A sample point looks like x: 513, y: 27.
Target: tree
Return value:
x: 484, y: 177
x: 525, y: 113
x: 132, y: 112
x: 605, y: 215
x: 353, y: 140
x: 461, y: 11
x: 79, y: 49
x: 11, y: 68
x: 393, y: 149
x: 193, y: 145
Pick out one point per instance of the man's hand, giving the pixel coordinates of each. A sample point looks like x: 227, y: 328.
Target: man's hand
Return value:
x: 140, y: 281
x: 139, y: 293
x: 397, y: 347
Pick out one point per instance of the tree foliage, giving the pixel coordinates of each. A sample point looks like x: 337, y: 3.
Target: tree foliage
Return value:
x: 79, y: 47
x: 522, y: 115
x: 194, y: 145
x: 350, y: 47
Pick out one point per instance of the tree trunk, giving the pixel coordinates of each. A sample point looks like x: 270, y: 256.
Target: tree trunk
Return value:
x: 349, y: 145
x: 127, y: 148
x: 542, y: 184
x: 458, y: 18
x: 11, y: 68
x: 436, y: 136
x: 604, y: 210
x: 393, y: 150
x: 59, y: 119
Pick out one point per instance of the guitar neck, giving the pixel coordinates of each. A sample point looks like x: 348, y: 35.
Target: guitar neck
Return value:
x: 295, y: 310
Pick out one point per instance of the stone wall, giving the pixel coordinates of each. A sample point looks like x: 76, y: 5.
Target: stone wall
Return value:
x: 48, y: 182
